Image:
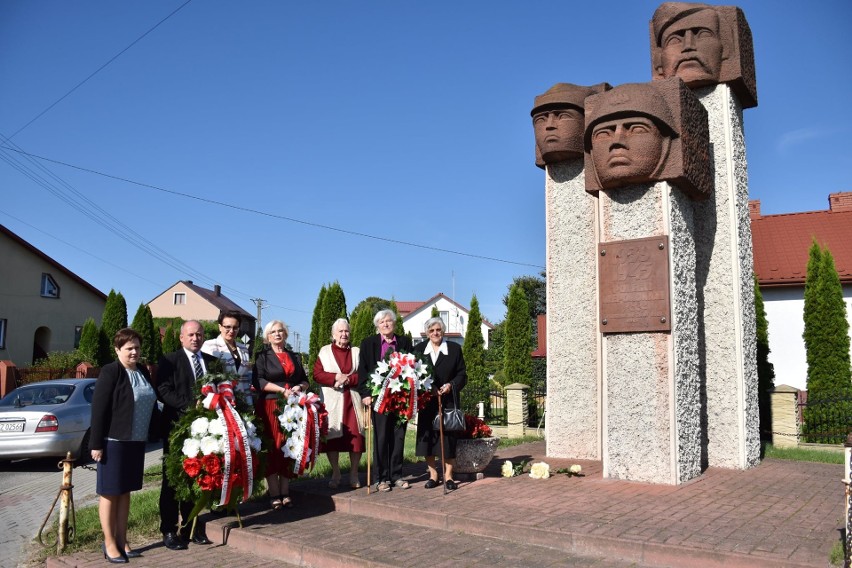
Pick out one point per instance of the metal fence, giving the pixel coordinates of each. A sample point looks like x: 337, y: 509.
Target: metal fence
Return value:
x: 826, y: 420
x: 536, y: 405
x: 497, y: 414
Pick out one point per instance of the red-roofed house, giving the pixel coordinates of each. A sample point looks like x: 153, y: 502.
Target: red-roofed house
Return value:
x: 455, y: 316
x: 781, y: 244
x: 188, y: 301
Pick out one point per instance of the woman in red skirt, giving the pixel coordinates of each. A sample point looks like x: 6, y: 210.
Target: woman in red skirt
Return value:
x: 336, y: 369
x: 277, y: 371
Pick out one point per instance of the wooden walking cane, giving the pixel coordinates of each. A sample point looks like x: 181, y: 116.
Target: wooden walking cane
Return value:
x: 441, y: 437
x: 369, y: 422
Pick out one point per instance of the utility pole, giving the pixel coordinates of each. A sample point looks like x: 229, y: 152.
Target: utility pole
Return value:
x: 259, y: 303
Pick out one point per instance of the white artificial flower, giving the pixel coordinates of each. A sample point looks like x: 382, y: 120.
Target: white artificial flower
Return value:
x: 251, y: 429
x: 426, y: 384
x: 575, y: 469
x: 291, y: 446
x: 508, y: 470
x: 210, y: 445
x: 191, y: 447
x: 395, y: 385
x: 540, y: 470
x: 199, y: 427
x: 382, y: 367
x: 217, y: 427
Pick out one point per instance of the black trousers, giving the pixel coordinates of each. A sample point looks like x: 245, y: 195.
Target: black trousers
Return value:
x: 389, y: 443
x: 169, y: 505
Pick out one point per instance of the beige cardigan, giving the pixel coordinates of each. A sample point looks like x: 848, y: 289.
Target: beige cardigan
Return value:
x: 333, y: 399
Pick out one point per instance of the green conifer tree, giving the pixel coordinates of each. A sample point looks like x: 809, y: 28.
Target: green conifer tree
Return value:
x: 258, y: 344
x: 765, y: 369
x: 517, y: 361
x: 477, y: 388
x: 171, y: 339
x: 435, y: 313
x: 89, y: 343
x: 314, y: 343
x: 361, y: 325
x: 333, y: 308
x: 143, y: 323
x: 114, y: 318
x: 826, y: 338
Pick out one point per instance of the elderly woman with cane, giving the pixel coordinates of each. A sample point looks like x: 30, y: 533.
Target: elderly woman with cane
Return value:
x: 449, y: 377
x: 389, y: 433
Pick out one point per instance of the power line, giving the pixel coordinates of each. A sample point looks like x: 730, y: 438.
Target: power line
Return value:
x: 273, y: 215
x: 99, y: 69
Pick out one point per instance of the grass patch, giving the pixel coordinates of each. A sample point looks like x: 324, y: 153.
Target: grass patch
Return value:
x: 803, y: 454
x: 836, y: 555
x: 509, y: 442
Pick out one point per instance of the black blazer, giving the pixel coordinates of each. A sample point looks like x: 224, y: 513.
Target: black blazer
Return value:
x: 371, y: 354
x: 112, y: 405
x: 175, y: 383
x: 267, y: 369
x: 448, y: 368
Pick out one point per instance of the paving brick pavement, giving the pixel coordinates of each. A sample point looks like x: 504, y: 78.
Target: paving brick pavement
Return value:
x: 778, y: 514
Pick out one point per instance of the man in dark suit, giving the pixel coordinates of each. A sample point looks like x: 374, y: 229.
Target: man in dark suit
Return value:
x: 389, y: 436
x: 176, y: 376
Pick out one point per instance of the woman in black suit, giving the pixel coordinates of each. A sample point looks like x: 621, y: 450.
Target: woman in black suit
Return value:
x: 121, y: 414
x: 389, y: 435
x: 277, y: 370
x: 448, y: 378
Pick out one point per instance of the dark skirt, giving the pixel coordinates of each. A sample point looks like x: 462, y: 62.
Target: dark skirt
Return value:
x: 121, y: 467
x: 276, y: 462
x: 428, y: 440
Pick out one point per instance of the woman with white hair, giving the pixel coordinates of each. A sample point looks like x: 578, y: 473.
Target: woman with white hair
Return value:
x: 276, y: 371
x: 336, y: 370
x: 389, y: 433
x: 448, y: 378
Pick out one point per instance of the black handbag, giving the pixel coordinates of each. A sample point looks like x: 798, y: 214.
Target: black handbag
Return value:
x: 453, y: 418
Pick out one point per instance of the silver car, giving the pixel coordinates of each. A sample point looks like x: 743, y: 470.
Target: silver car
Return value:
x: 45, y: 419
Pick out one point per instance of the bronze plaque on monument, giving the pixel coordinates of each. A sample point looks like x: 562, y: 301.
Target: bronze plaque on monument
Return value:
x: 633, y: 285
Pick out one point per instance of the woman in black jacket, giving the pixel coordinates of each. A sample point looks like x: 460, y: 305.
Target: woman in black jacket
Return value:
x: 121, y: 414
x: 448, y: 378
x: 276, y: 371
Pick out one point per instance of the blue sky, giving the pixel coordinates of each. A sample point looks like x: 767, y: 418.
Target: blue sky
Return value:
x: 400, y: 120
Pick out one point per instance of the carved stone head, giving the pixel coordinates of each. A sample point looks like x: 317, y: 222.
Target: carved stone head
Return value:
x: 558, y: 121
x: 636, y: 134
x: 704, y: 45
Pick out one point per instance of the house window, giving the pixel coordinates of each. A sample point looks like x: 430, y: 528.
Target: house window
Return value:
x: 180, y: 298
x: 445, y: 317
x: 49, y: 287
x: 2, y: 334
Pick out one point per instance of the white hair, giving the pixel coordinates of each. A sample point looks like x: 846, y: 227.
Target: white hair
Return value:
x: 338, y: 322
x: 386, y: 313
x: 432, y: 321
x: 268, y: 328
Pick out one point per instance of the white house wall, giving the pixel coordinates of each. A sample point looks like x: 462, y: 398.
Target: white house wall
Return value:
x: 785, y: 316
x: 456, y: 320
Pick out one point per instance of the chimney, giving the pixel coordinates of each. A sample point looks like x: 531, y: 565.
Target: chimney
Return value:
x: 840, y: 201
x: 217, y: 290
x: 754, y: 209
x: 188, y: 281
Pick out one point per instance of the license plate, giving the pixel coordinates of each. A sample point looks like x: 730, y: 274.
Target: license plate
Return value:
x: 11, y: 426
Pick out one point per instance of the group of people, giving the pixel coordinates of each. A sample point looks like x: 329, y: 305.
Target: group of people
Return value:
x: 126, y: 399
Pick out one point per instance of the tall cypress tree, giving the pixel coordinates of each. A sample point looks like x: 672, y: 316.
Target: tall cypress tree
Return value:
x: 827, y: 346
x: 143, y: 323
x: 765, y: 369
x: 114, y: 318
x: 171, y: 339
x: 517, y: 359
x: 333, y: 307
x: 435, y: 313
x: 473, y: 349
x: 88, y: 347
x: 361, y: 325
x: 314, y: 343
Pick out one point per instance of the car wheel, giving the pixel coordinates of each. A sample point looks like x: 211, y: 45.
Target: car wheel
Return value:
x: 83, y: 455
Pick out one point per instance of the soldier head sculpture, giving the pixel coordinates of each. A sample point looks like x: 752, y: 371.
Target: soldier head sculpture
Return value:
x: 704, y: 45
x: 690, y: 43
x: 558, y: 122
x: 648, y: 132
x: 629, y: 135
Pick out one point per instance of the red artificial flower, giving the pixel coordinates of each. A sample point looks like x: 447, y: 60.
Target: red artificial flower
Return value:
x: 211, y: 464
x: 206, y: 482
x: 217, y: 480
x: 192, y: 466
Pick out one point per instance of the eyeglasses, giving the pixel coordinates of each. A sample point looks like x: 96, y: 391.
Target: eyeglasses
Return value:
x: 230, y: 327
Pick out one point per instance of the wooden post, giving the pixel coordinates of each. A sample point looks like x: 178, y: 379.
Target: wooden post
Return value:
x: 65, y: 503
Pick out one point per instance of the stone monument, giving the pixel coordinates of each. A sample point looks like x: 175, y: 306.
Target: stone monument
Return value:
x: 710, y: 48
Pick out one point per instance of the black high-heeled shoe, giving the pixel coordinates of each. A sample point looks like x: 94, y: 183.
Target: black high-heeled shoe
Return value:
x: 132, y: 553
x: 120, y: 559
